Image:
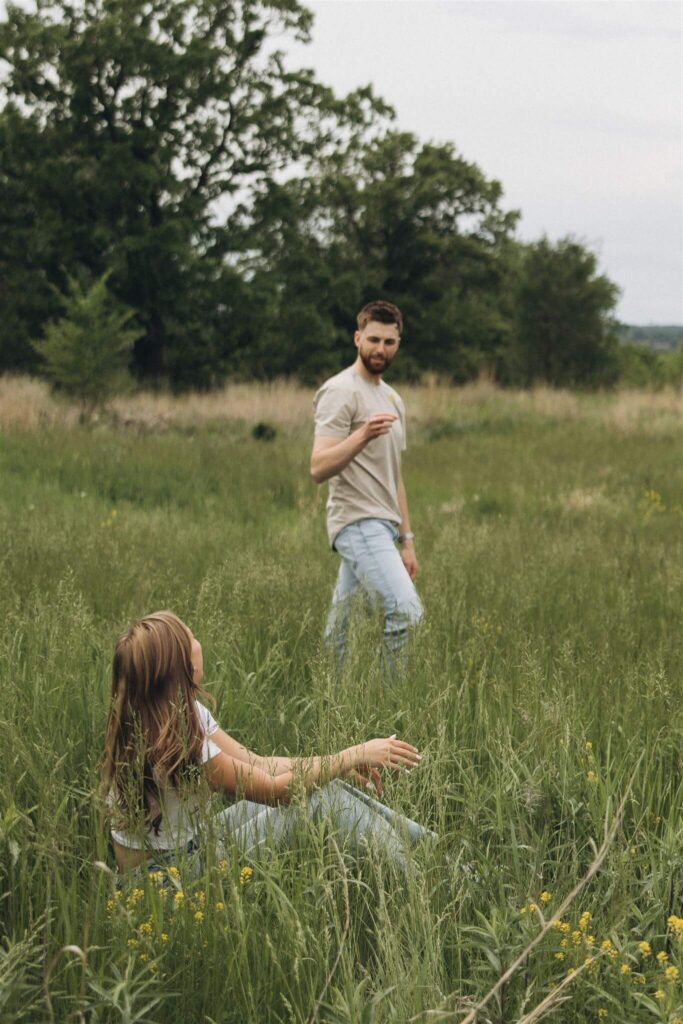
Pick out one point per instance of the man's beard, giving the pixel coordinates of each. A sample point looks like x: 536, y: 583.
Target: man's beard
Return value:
x: 377, y: 367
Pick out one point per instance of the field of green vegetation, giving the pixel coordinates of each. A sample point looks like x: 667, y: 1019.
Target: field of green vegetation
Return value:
x: 544, y: 691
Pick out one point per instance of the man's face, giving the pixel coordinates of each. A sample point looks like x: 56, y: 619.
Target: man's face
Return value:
x: 377, y: 345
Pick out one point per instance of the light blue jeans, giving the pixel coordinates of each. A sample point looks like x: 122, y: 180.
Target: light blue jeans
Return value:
x: 371, y: 564
x: 357, y: 821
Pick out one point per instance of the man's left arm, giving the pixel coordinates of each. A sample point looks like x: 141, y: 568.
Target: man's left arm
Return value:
x: 408, y: 556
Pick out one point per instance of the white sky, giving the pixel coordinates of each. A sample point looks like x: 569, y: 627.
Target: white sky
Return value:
x: 575, y: 106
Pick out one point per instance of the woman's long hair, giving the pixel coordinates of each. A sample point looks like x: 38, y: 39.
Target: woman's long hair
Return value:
x: 153, y: 736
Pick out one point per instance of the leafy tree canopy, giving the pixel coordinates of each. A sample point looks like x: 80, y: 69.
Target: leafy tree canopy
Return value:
x: 564, y: 329
x: 245, y: 213
x: 415, y: 224
x: 127, y: 120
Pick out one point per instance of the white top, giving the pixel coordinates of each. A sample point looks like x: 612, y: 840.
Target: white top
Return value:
x: 179, y: 819
x: 367, y: 488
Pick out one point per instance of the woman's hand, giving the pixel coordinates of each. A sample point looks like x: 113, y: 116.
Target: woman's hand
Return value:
x: 387, y: 753
x: 365, y: 777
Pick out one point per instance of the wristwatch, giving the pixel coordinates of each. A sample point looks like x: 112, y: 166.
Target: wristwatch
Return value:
x: 406, y: 536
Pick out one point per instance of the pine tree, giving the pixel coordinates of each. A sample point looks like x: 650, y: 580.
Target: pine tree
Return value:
x: 86, y: 352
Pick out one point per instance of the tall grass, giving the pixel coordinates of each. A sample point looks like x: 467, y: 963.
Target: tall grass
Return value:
x: 550, y: 540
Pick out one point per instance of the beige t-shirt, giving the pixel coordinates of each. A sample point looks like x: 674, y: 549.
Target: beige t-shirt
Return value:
x: 368, y: 487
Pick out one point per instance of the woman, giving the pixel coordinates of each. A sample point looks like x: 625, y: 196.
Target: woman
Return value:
x: 161, y: 743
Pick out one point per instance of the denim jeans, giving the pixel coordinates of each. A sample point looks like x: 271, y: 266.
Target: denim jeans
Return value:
x: 371, y: 564
x: 357, y: 820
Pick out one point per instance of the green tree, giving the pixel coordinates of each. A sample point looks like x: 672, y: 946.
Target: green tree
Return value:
x: 86, y: 352
x: 391, y: 218
x: 672, y: 366
x: 129, y: 124
x: 640, y: 366
x: 564, y: 332
x: 26, y: 298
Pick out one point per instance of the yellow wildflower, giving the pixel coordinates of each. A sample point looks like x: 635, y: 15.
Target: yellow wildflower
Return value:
x: 110, y: 905
x: 145, y: 928
x: 584, y: 920
x: 132, y: 942
x: 602, y: 1012
x: 591, y: 776
x: 135, y: 897
x: 606, y: 944
x: 164, y: 936
x: 590, y: 940
x: 638, y: 979
x: 545, y: 897
x: 223, y: 865
x: 173, y: 871
x: 672, y: 973
x: 557, y: 925
x: 564, y: 927
x: 219, y: 906
x: 624, y: 969
x: 559, y: 956
x: 589, y: 745
x: 178, y: 897
x: 645, y: 948
x: 245, y: 875
x: 662, y: 957
x: 576, y: 938
x: 144, y: 957
x: 199, y: 916
x: 675, y: 925
x: 564, y: 943
x: 533, y: 907
x: 633, y: 851
x: 660, y: 994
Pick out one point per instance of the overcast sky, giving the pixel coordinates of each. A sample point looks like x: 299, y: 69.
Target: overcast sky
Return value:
x: 575, y: 106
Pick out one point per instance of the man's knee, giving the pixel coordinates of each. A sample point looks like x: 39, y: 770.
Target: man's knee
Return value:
x: 406, y: 614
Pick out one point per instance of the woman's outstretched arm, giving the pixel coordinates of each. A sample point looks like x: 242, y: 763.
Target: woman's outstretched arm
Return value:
x: 269, y: 765
x: 233, y: 774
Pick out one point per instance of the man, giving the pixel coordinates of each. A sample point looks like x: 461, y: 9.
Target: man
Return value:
x: 360, y: 431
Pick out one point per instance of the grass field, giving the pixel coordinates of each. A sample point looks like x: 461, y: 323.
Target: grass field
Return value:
x: 544, y: 689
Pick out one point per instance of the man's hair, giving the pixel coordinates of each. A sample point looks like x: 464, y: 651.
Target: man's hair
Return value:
x: 384, y: 312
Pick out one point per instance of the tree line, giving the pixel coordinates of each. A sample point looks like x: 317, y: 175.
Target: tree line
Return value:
x: 178, y: 199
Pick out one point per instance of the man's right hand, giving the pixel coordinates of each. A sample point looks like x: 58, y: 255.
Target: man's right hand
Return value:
x: 332, y: 455
x: 377, y: 424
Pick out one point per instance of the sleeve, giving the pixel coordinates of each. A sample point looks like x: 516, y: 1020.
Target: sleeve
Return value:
x: 333, y: 408
x: 209, y: 725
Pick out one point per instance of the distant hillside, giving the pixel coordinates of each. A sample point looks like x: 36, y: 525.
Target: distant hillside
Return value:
x: 661, y: 338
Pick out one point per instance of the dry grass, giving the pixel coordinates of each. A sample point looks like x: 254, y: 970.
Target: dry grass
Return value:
x: 27, y: 403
